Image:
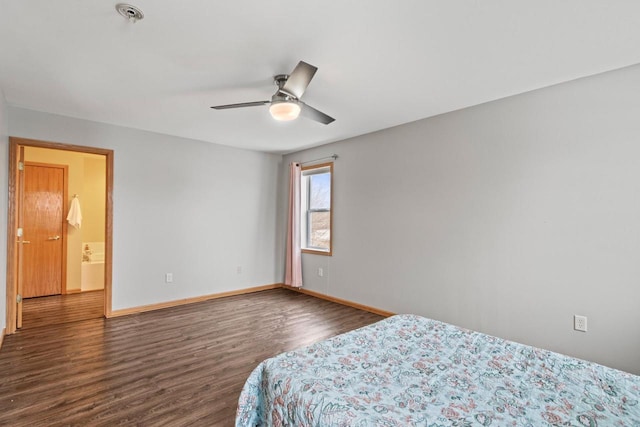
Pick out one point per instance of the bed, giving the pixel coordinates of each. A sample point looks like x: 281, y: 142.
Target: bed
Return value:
x: 407, y: 370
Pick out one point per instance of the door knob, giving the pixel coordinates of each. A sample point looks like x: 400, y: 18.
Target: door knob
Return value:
x: 54, y: 238
x: 24, y: 242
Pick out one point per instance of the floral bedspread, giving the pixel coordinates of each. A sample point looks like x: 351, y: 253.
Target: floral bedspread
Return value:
x: 410, y: 371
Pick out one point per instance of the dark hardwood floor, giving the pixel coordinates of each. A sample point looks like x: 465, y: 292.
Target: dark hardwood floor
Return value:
x: 57, y: 309
x: 181, y: 366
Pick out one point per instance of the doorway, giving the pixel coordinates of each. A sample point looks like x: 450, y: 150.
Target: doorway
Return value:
x: 26, y: 260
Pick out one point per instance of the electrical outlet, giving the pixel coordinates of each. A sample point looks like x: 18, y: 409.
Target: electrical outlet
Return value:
x: 168, y: 278
x: 320, y: 272
x: 239, y: 270
x: 580, y: 323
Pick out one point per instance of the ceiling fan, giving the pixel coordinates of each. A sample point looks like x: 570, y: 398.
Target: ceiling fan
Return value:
x: 285, y: 104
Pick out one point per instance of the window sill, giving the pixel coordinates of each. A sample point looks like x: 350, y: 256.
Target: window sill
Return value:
x: 316, y: 252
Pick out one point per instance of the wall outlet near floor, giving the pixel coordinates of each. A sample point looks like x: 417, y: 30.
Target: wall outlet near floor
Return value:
x: 580, y: 323
x: 168, y: 277
x: 320, y: 272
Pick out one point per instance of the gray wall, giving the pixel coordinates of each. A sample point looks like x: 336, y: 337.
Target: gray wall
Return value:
x: 4, y: 197
x: 507, y: 218
x: 195, y: 209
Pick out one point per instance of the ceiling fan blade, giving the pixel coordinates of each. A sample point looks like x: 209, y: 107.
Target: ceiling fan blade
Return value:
x: 313, y: 114
x: 241, y: 105
x: 299, y: 79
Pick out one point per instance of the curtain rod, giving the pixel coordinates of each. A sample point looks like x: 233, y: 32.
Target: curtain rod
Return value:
x: 333, y: 156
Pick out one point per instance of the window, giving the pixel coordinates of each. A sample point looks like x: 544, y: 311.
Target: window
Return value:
x: 315, y: 221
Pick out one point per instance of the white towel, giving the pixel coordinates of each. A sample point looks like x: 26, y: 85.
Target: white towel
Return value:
x: 75, y: 214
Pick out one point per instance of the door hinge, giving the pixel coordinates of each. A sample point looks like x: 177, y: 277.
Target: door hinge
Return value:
x: 20, y: 166
x: 18, y: 298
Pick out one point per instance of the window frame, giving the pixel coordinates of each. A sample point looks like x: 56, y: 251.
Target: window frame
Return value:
x: 305, y: 212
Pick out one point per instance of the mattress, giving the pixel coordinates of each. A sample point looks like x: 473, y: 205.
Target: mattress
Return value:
x: 411, y: 371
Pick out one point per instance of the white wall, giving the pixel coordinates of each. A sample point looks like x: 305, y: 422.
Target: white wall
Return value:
x: 508, y: 218
x: 194, y: 209
x: 4, y: 198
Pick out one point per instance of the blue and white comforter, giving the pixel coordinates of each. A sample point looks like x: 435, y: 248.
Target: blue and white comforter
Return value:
x: 410, y: 371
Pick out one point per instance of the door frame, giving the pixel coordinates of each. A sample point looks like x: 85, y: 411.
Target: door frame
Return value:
x: 12, y: 220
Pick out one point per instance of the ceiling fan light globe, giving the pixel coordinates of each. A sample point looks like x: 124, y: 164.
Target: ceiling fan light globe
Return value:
x: 284, y: 111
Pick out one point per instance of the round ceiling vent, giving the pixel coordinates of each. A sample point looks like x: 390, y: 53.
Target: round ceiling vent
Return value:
x: 130, y: 12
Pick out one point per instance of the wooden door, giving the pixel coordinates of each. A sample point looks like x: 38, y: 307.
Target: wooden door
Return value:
x: 42, y: 206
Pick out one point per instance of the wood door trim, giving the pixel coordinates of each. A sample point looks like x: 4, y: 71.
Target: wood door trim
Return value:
x: 19, y: 254
x: 65, y: 199
x: 12, y: 219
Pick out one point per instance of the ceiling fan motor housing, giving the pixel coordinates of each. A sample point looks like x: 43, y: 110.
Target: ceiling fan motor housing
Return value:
x: 280, y: 80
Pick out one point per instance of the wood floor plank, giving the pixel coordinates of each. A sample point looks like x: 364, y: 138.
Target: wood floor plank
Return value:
x: 181, y: 366
x: 56, y: 309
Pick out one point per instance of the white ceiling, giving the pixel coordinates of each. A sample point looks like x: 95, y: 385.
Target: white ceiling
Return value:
x: 381, y: 62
